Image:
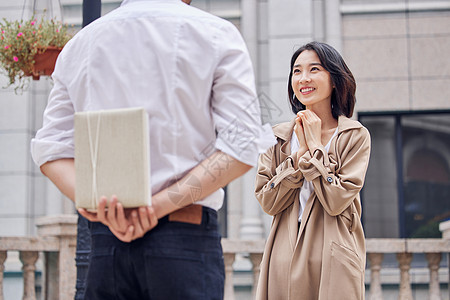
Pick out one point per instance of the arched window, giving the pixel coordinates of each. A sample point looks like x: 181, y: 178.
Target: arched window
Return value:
x: 428, y: 166
x: 407, y: 188
x: 426, y: 189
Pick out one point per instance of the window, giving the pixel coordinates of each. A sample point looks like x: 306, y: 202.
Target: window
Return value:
x: 407, y: 188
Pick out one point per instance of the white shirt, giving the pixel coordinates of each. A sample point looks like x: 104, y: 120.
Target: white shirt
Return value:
x: 307, y: 187
x: 191, y: 72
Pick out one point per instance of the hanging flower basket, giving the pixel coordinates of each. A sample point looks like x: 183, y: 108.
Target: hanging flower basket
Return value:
x: 44, y: 62
x: 30, y: 48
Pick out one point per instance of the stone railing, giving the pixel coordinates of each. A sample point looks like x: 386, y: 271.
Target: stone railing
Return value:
x: 57, y: 238
x: 254, y: 250
x: 56, y: 242
x: 376, y: 248
x: 404, y: 250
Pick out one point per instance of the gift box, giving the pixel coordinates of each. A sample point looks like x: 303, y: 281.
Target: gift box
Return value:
x: 112, y: 157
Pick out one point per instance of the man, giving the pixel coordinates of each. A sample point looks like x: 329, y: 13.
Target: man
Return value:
x: 192, y: 74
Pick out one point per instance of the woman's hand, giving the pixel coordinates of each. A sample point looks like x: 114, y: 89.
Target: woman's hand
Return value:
x: 312, y: 128
x: 299, y: 132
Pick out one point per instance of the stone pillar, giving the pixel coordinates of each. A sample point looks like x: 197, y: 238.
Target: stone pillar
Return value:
x: 433, y: 264
x: 249, y: 29
x: 229, y: 285
x: 289, y: 26
x: 375, y: 260
x: 28, y: 259
x: 251, y: 224
x: 63, y: 227
x: 255, y: 258
x: 444, y: 227
x: 404, y: 261
x: 3, y: 255
x: 332, y: 21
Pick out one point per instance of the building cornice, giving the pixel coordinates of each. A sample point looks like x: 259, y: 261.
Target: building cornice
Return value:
x: 375, y: 8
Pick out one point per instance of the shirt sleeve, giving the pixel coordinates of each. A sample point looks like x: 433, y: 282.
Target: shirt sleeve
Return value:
x: 235, y: 105
x: 55, y: 139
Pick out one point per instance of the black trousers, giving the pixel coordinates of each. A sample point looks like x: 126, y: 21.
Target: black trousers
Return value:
x: 173, y: 261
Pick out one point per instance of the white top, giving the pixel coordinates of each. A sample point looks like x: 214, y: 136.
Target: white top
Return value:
x: 190, y: 71
x: 307, y: 187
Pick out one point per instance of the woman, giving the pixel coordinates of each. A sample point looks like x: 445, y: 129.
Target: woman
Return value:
x: 310, y: 182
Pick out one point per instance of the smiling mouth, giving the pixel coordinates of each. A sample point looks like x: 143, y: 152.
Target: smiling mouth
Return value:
x: 306, y: 90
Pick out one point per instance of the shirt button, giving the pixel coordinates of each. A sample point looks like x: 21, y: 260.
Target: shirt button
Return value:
x: 272, y: 185
x: 329, y: 179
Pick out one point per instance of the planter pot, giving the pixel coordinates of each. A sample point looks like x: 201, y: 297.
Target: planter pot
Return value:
x: 44, y: 63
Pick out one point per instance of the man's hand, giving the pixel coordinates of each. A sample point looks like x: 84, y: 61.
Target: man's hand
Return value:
x: 126, y: 224
x: 144, y: 219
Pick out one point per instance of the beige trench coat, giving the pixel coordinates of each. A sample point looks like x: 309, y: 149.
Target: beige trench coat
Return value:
x: 324, y: 257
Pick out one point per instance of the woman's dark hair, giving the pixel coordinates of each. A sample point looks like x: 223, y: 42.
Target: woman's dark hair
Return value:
x: 343, y: 95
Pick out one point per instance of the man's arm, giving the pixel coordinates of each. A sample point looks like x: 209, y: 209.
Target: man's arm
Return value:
x: 62, y: 173
x: 213, y: 173
x: 208, y: 176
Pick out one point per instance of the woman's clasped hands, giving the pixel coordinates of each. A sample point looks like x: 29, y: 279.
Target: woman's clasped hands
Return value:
x: 308, y: 128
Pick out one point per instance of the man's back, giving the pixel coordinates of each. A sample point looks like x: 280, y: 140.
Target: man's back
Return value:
x: 192, y: 73
x: 189, y: 70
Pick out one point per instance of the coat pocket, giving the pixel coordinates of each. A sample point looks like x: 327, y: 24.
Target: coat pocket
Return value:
x: 346, y: 279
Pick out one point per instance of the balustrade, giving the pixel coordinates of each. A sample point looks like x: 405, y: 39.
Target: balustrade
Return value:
x: 57, y: 238
x: 405, y: 248
x: 2, y: 269
x: 254, y: 250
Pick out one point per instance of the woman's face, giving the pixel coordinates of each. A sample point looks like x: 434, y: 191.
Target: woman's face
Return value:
x: 310, y: 81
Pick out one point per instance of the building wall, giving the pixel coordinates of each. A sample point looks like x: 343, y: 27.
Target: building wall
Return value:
x: 399, y: 58
x: 396, y: 50
x: 24, y: 193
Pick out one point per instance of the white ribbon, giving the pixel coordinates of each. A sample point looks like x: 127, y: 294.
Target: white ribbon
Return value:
x: 94, y: 152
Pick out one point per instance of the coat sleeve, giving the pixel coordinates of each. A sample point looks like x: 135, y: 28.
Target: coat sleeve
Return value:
x: 275, y: 185
x: 337, y: 179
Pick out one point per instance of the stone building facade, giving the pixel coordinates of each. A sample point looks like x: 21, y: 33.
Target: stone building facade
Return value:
x: 398, y: 51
